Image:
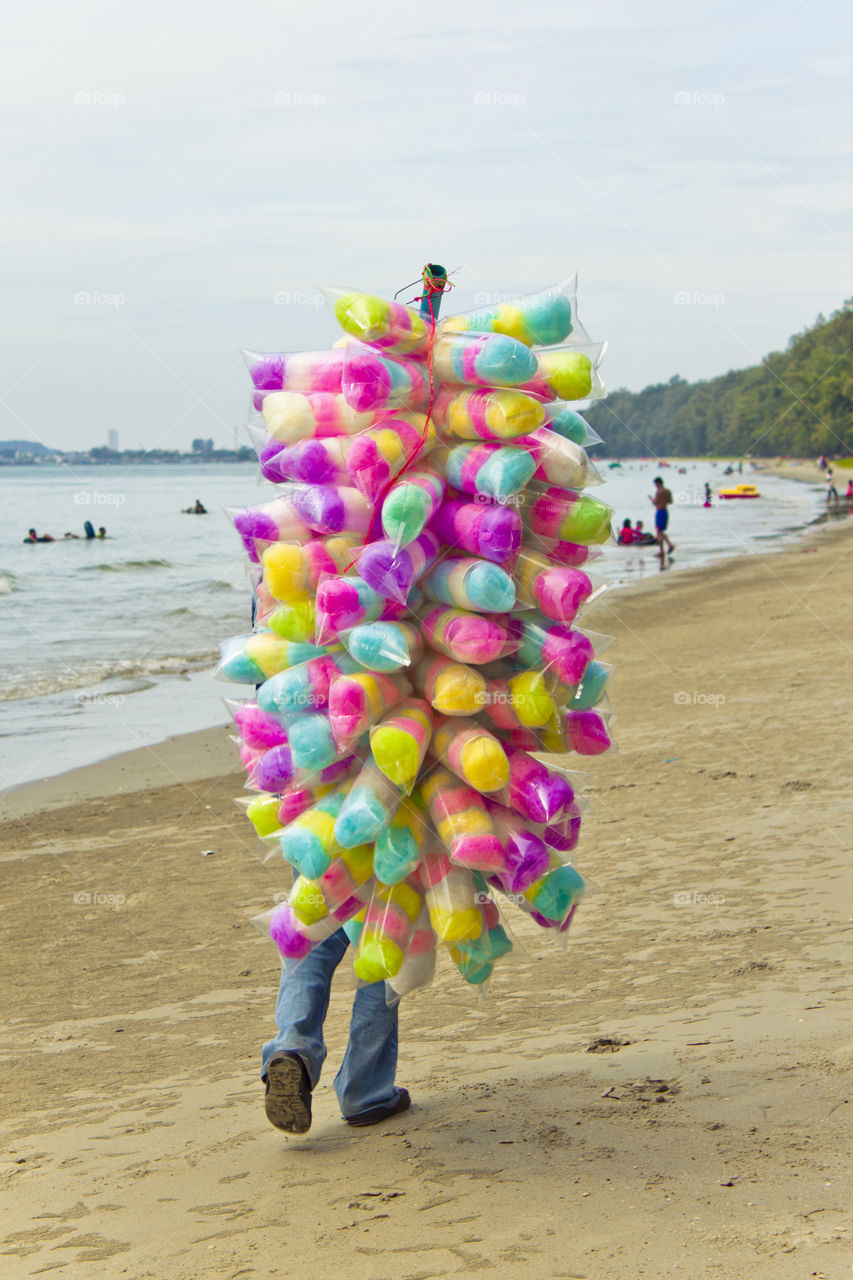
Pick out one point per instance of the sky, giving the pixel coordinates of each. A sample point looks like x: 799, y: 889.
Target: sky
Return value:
x: 179, y: 180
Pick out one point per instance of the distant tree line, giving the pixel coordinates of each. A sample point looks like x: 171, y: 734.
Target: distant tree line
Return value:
x: 797, y: 402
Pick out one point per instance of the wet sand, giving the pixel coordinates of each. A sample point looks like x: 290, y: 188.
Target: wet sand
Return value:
x: 670, y: 1095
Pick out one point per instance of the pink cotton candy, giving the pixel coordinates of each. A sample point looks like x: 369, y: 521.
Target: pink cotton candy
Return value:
x: 259, y: 728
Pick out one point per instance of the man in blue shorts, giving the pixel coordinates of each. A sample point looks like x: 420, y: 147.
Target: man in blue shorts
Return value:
x: 661, y: 499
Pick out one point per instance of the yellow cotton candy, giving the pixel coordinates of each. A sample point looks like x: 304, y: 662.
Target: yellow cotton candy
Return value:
x: 307, y: 902
x: 285, y: 570
x: 568, y: 372
x: 456, y: 926
x: 263, y: 814
x: 511, y: 413
x: 531, y: 701
x: 467, y: 822
x: 389, y: 444
x: 458, y: 419
x: 396, y: 754
x: 321, y: 825
x: 406, y: 897
x: 377, y: 959
x: 510, y: 320
x: 288, y: 416
x: 359, y: 862
x: 459, y: 691
x: 484, y: 764
x: 266, y: 651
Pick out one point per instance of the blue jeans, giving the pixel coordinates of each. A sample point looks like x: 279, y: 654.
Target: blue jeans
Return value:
x: 366, y: 1076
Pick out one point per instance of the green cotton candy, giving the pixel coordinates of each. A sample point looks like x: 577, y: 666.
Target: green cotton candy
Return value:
x: 411, y: 504
x: 557, y: 891
x: 588, y: 521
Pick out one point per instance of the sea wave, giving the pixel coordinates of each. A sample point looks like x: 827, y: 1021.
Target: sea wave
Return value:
x: 8, y: 582
x: 41, y: 684
x: 125, y: 565
x: 219, y: 584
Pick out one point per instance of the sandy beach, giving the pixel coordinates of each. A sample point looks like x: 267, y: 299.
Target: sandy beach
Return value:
x: 675, y: 1085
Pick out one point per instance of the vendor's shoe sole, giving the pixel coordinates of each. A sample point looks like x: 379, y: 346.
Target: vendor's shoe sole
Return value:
x: 375, y: 1114
x: 288, y: 1098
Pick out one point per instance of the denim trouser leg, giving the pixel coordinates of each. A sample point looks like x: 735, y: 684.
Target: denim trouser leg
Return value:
x: 366, y: 1077
x: 303, y: 1001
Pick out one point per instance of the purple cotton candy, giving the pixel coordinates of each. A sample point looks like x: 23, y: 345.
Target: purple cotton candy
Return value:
x: 392, y: 570
x: 388, y: 569
x: 286, y: 934
x: 321, y: 507
x: 268, y: 373
x: 274, y: 769
x: 255, y: 526
x: 271, y: 458
x: 527, y: 860
x: 335, y: 772
x: 547, y: 797
x: 311, y: 462
x: 564, y: 834
x: 568, y: 920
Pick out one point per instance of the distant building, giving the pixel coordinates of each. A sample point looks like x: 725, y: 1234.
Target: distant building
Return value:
x: 112, y: 439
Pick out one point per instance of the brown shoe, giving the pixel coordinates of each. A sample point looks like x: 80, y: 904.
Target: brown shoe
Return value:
x: 288, y: 1097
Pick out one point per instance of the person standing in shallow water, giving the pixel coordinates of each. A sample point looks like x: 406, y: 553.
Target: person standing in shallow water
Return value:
x: 661, y: 501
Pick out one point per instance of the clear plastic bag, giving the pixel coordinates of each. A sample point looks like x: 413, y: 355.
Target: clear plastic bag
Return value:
x: 254, y: 658
x: 360, y: 699
x: 369, y: 808
x: 473, y: 753
x: 451, y: 688
x: 470, y: 583
x: 535, y: 790
x: 384, y: 645
x: 569, y: 372
x: 538, y: 319
x: 302, y: 371
x: 418, y: 967
x: 459, y: 816
x: 490, y: 530
x: 454, y: 912
x: 470, y: 638
x: 388, y: 326
x: 399, y: 742
x: 289, y: 416
x: 387, y: 933
x: 371, y: 382
x: 401, y: 845
x: 305, y: 686
x: 392, y: 570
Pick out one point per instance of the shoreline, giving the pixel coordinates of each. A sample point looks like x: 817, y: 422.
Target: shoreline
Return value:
x: 686, y: 1058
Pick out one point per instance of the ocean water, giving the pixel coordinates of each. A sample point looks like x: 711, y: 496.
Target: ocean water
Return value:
x: 702, y: 535
x: 108, y: 645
